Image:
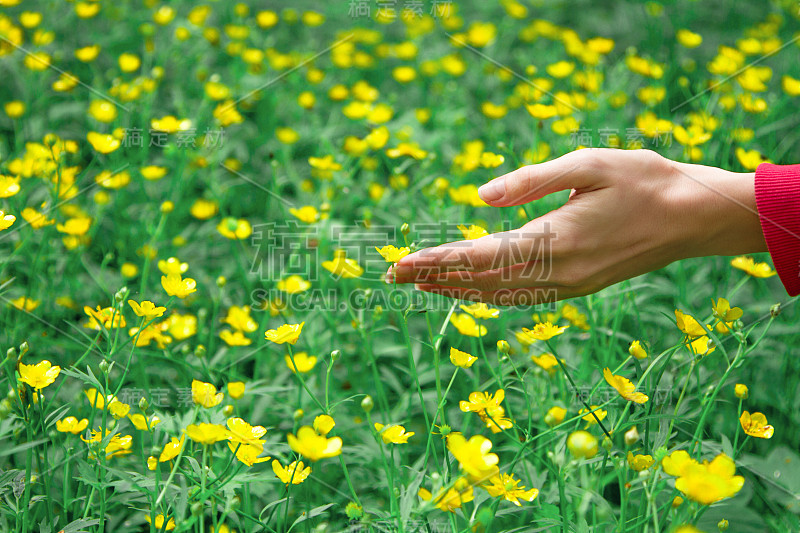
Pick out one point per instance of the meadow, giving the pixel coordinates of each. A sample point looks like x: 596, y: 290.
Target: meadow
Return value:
x: 199, y: 203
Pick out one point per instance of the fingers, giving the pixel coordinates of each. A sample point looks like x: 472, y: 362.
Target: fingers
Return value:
x: 503, y: 297
x: 575, y: 170
x: 532, y: 242
x: 531, y: 274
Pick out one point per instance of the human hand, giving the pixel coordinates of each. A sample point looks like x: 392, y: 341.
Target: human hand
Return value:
x: 629, y: 212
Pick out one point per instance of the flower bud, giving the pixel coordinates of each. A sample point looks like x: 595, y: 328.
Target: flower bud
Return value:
x: 354, y: 511
x: 221, y: 281
x: 582, y: 444
x: 636, y: 350
x: 121, y: 295
x: 227, y: 410
x: 631, y: 436
x: 336, y: 355
x: 298, y: 415
x: 607, y: 444
x: 405, y: 229
x: 23, y: 348
x: 143, y: 404
x: 503, y: 347
x: 167, y: 207
x: 367, y: 404
x: 11, y: 353
x: 722, y: 525
x: 104, y: 366
x: 200, y: 351
x: 197, y: 509
x: 741, y: 391
x: 775, y: 310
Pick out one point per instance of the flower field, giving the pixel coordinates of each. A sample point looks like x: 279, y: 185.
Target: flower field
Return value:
x: 199, y: 203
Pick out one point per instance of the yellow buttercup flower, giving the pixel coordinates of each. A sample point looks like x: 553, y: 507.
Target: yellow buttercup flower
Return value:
x: 636, y: 350
x: 461, y: 359
x: 239, y: 318
x: 555, y: 415
x: 505, y: 486
x: 171, y: 449
x: 293, y: 285
x: 342, y: 266
x: 70, y: 424
x: 474, y: 455
x: 624, y: 387
x: 756, y: 425
x: 741, y: 391
x: 303, y: 362
x: 234, y: 338
x: 472, y: 232
x: 314, y: 446
x: 640, y: 462
x: 593, y: 415
x: 307, y: 214
x: 545, y: 331
x: 450, y: 499
x: 118, y: 445
x: 170, y: 124
x: 234, y: 229
x: 248, y: 454
x: 582, y: 444
x: 392, y: 254
x: 141, y: 423
x: 480, y: 310
x: 709, y: 483
x: 40, y: 375
x: 688, y: 324
x: 757, y: 270
x: 393, y: 433
x: 205, y: 394
x: 295, y: 473
x: 146, y: 309
x: 243, y: 433
x: 546, y: 362
x: 206, y: 433
x: 174, y: 285
x: 323, y: 424
x: 236, y: 389
x: 102, y: 142
x: 688, y: 38
x: 285, y: 333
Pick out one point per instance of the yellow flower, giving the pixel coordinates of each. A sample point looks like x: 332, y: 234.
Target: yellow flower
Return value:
x: 234, y: 229
x: 688, y: 38
x: 406, y: 149
x: 293, y: 285
x: 295, y: 473
x: 474, y: 455
x: 307, y: 214
x: 14, y: 109
x: 688, y: 324
x: 392, y: 254
x: 103, y: 142
x: 248, y: 454
x: 555, y: 415
x: 203, y: 209
x: 314, y: 446
x: 171, y: 449
x: 174, y: 285
x: 303, y: 361
x: 702, y: 346
x: 461, y: 359
x: 87, y: 54
x: 153, y: 172
x: 750, y: 159
x: 172, y: 266
x: 118, y: 445
x: 636, y: 350
x: 561, y: 69
x: 236, y: 389
x: 205, y: 394
x: 159, y: 524
x: 546, y: 362
x: 593, y: 415
x: 756, y: 425
x: 506, y: 486
x: 472, y: 232
x: 40, y: 375
x: 70, y: 424
x: 466, y: 325
x: 342, y: 266
x: 24, y: 303
x: 791, y: 86
x: 323, y: 424
x: 117, y: 408
x: 709, y: 483
x: 170, y: 124
x: 624, y: 387
x: 235, y: 338
x: 757, y: 270
x: 393, y: 433
x: 640, y: 462
x: 129, y: 62
x: 243, y: 433
x: 141, y: 423
x: 152, y: 463
x: 480, y: 310
x: 206, y: 433
x: 451, y: 499
x: 543, y: 332
x: 286, y: 333
x: 146, y: 309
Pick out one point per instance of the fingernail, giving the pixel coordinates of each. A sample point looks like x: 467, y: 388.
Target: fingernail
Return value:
x: 493, y: 191
x: 388, y: 278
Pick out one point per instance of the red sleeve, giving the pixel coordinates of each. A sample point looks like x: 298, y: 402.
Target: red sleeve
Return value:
x: 778, y: 203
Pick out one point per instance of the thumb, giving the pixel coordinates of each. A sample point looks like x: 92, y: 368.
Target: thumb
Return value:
x: 575, y: 170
